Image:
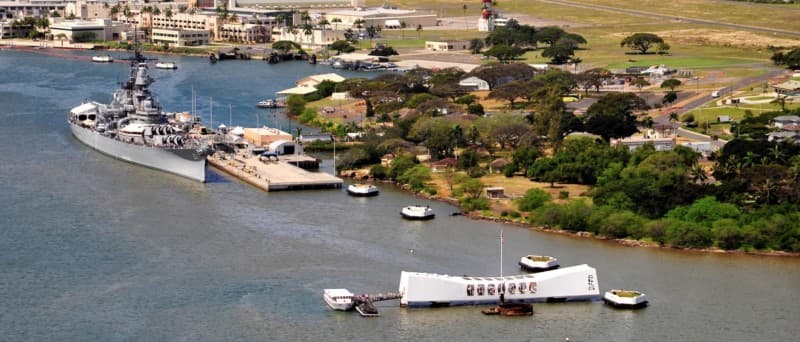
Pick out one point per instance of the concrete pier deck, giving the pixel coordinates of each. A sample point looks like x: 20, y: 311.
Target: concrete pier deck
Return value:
x: 272, y: 175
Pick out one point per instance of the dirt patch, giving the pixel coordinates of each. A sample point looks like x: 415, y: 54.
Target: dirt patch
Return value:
x: 742, y: 39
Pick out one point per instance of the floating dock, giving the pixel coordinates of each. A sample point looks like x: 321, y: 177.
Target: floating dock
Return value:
x: 270, y: 174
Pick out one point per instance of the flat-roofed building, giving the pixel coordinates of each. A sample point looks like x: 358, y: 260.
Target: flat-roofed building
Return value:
x: 180, y: 37
x: 379, y: 17
x: 79, y: 30
x: 295, y: 4
x: 448, y: 45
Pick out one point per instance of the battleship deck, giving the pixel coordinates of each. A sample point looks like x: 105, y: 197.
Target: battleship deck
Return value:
x: 272, y: 175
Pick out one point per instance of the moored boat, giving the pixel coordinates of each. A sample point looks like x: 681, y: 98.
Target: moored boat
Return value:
x: 417, y: 212
x: 538, y: 263
x: 166, y: 65
x: 367, y: 309
x: 102, y: 59
x: 362, y: 190
x: 133, y: 127
x: 625, y: 299
x: 338, y: 299
x: 268, y: 103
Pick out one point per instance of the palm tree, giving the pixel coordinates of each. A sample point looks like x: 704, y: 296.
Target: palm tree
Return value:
x: 576, y: 61
x: 419, y: 30
x: 307, y: 30
x: 781, y: 100
x: 336, y: 22
x: 698, y: 175
x: 673, y: 117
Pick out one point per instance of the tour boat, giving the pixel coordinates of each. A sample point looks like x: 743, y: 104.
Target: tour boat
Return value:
x: 362, y: 190
x: 166, y: 65
x: 625, y: 299
x: 338, y: 299
x: 417, y: 212
x: 268, y: 103
x: 102, y: 59
x: 564, y: 284
x: 538, y: 263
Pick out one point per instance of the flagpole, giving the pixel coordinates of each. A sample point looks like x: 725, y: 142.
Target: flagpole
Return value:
x: 501, y: 253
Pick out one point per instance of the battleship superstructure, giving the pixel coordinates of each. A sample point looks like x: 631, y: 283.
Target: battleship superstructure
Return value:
x: 133, y: 127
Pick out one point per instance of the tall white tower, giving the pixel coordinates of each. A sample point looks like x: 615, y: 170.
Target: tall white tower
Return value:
x: 486, y: 21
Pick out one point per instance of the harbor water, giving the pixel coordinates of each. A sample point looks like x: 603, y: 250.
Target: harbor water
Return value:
x: 92, y: 248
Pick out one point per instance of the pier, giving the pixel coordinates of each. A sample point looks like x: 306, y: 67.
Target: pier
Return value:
x: 272, y: 174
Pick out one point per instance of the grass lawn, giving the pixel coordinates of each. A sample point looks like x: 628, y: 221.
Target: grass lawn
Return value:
x: 783, y: 17
x: 514, y: 187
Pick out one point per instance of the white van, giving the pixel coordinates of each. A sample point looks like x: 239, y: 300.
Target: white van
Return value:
x: 715, y: 94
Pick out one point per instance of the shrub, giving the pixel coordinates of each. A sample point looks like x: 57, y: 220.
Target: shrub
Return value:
x: 548, y: 215
x: 563, y: 194
x: 416, y: 177
x: 476, y: 172
x: 727, y: 234
x: 688, y: 234
x: 400, y: 165
x: 466, y: 99
x: 533, y: 199
x: 378, y: 171
x: 620, y: 224
x: 509, y: 170
x: 475, y: 108
x: 307, y: 116
x: 575, y: 216
x: 472, y: 204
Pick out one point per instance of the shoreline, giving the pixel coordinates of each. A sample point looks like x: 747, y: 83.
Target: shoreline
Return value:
x: 588, y: 235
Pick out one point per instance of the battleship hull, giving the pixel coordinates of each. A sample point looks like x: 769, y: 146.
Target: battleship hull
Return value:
x: 185, y: 162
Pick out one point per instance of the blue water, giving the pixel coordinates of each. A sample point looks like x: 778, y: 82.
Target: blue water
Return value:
x: 92, y: 248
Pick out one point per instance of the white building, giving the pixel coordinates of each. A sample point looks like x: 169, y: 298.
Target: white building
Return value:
x: 474, y: 83
x: 318, y: 37
x: 102, y: 29
x: 660, y: 144
x: 180, y: 37
x: 447, y: 45
x: 379, y: 17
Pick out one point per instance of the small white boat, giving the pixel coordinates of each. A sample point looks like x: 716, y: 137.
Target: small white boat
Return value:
x: 268, y: 103
x: 362, y: 190
x: 417, y: 212
x: 625, y: 299
x: 338, y: 299
x: 538, y: 263
x: 102, y: 59
x: 166, y: 65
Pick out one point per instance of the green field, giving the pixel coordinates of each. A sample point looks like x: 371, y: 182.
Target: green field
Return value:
x: 782, y: 17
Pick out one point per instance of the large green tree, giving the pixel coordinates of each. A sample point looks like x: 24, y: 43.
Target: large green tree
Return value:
x: 641, y: 42
x: 612, y: 116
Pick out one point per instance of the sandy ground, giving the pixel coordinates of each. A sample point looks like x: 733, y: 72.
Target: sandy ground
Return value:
x: 721, y: 37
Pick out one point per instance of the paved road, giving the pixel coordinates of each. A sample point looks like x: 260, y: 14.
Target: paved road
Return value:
x: 704, y: 98
x: 673, y: 17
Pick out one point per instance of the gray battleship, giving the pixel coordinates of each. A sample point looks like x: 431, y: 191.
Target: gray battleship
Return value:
x: 133, y: 127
